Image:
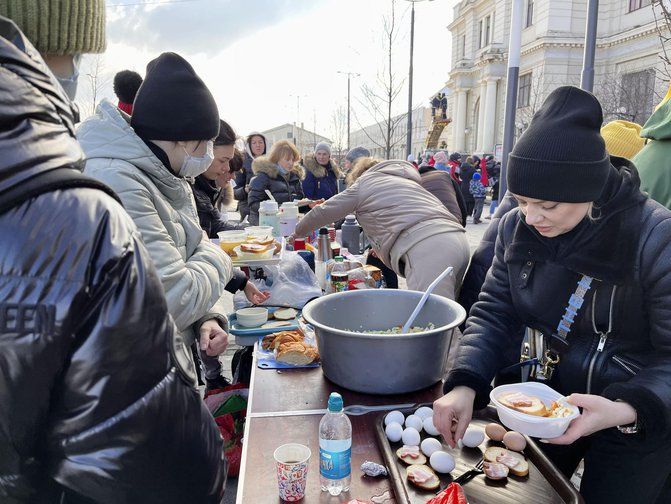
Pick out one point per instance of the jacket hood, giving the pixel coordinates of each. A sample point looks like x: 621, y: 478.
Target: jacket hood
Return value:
x: 263, y: 165
x: 310, y: 163
x: 248, y: 149
x: 397, y: 168
x: 36, y: 117
x: 108, y: 135
x: 658, y: 125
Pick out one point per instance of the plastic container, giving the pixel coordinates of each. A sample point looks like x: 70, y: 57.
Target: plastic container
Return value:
x: 269, y: 215
x: 259, y: 231
x: 335, y: 448
x: 351, y: 235
x: 339, y: 275
x: 252, y: 317
x: 228, y: 240
x: 288, y: 218
x: 249, y: 256
x: 530, y: 425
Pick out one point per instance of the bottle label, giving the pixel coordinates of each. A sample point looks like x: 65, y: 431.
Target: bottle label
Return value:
x: 335, y: 465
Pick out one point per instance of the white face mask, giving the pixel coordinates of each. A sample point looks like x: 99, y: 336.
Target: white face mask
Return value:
x: 193, y: 166
x: 69, y: 84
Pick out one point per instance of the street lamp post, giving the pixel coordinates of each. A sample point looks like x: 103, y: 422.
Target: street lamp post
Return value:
x: 349, y: 76
x: 587, y: 76
x: 408, y: 146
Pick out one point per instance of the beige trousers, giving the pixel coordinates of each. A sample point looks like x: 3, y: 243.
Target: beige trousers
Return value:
x: 429, y: 258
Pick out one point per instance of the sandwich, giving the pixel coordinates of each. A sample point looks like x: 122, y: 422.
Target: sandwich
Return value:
x: 523, y: 403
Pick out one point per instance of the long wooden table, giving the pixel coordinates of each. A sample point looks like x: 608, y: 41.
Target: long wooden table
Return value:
x: 296, y: 390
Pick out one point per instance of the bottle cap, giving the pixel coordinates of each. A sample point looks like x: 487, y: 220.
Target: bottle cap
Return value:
x: 339, y: 258
x: 335, y: 402
x: 323, y: 231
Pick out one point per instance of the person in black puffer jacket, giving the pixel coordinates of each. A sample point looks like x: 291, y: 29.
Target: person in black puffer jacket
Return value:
x: 255, y: 146
x: 211, y: 186
x: 581, y: 213
x: 468, y: 168
x: 279, y: 173
x: 97, y: 387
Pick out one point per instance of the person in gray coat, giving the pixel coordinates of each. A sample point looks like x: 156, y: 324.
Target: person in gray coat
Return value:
x: 149, y: 164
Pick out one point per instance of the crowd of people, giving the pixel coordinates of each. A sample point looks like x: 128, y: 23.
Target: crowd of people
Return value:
x: 108, y: 277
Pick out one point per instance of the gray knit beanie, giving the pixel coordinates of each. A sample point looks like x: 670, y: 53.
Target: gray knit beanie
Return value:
x: 59, y: 27
x: 323, y: 146
x: 356, y: 153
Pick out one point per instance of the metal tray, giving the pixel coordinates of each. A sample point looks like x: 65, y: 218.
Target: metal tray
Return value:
x: 544, y: 484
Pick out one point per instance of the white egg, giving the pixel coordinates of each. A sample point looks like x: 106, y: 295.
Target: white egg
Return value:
x: 442, y: 462
x: 424, y: 412
x: 394, y: 432
x: 415, y: 422
x: 410, y: 437
x: 431, y: 445
x: 473, y: 437
x: 430, y: 428
x: 394, y: 417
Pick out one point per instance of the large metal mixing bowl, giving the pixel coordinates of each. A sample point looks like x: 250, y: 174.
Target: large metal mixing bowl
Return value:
x: 382, y: 363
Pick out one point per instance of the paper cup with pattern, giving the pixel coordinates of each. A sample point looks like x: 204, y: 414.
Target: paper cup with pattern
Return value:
x: 292, y: 470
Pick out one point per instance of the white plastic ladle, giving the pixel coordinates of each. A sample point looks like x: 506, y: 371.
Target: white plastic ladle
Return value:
x: 422, y: 301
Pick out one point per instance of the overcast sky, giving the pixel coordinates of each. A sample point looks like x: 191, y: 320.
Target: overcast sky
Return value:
x: 258, y: 56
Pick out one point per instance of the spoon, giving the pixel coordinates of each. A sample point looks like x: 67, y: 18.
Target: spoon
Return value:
x: 422, y: 301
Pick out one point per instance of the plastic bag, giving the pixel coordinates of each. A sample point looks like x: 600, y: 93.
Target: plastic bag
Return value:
x: 291, y: 283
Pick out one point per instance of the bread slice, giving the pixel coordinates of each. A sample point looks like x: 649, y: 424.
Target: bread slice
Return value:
x: 495, y: 454
x: 523, y: 403
x: 265, y: 240
x: 417, y: 473
x: 285, y: 314
x: 297, y: 354
x: 418, y: 459
x: 253, y: 248
x: 277, y: 323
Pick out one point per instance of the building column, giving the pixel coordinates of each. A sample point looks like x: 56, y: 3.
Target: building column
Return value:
x: 489, y: 120
x: 481, y: 116
x: 460, y: 122
x: 455, y: 108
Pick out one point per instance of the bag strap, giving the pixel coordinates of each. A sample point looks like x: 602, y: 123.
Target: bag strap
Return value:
x: 558, y: 341
x: 53, y: 180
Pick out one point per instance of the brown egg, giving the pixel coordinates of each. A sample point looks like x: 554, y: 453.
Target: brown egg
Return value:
x: 514, y: 441
x: 495, y: 432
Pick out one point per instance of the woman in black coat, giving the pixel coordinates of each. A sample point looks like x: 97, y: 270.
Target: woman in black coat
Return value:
x: 97, y: 385
x: 255, y: 146
x: 581, y: 218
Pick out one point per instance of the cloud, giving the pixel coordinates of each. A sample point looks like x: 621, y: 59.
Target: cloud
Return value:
x: 199, y: 26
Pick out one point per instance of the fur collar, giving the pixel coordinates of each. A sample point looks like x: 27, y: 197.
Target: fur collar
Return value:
x: 310, y: 163
x: 263, y: 165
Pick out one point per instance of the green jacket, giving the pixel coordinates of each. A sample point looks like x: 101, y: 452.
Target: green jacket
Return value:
x: 654, y: 160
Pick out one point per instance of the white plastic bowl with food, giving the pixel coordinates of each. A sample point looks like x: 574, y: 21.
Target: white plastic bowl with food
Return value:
x: 253, y: 252
x: 252, y: 317
x: 258, y: 231
x: 537, y: 398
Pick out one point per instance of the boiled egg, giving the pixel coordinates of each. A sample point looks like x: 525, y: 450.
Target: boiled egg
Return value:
x: 394, y: 431
x: 429, y: 427
x: 424, y: 412
x: 415, y: 422
x: 394, y: 417
x: 495, y: 432
x: 442, y: 462
x: 473, y: 437
x: 411, y: 437
x: 514, y: 441
x: 431, y: 445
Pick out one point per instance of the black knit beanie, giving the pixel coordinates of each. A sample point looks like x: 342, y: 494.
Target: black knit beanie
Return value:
x: 561, y: 156
x: 173, y: 103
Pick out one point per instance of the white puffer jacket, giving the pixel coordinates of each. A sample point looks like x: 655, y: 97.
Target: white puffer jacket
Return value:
x: 193, y: 271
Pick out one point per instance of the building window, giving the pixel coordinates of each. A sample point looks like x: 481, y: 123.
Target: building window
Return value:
x: 462, y: 47
x: 289, y: 134
x: 530, y: 14
x: 638, y: 4
x: 524, y: 91
x: 637, y: 95
x: 484, y: 32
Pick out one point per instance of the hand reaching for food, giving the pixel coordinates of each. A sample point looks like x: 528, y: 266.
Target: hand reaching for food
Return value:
x: 598, y: 413
x: 316, y: 203
x: 254, y: 295
x: 453, y: 412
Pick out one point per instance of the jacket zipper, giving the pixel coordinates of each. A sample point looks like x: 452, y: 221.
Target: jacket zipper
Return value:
x: 628, y: 366
x: 602, y: 343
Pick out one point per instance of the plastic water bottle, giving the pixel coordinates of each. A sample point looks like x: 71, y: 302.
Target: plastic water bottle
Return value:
x: 335, y: 448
